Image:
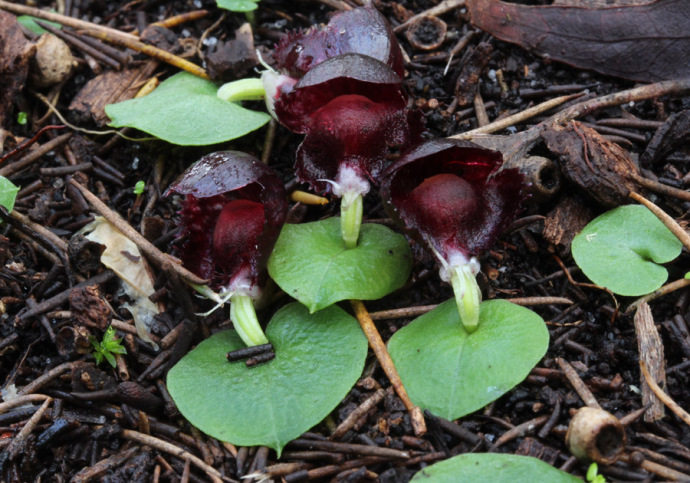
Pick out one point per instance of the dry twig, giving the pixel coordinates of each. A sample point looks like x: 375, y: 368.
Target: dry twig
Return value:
x: 384, y: 358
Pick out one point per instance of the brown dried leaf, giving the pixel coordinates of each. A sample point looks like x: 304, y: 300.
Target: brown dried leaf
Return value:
x: 645, y: 43
x: 89, y: 308
x: 602, y: 168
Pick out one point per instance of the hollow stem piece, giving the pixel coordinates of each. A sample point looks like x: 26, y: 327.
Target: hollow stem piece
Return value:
x: 243, y: 317
x: 351, y: 209
x: 468, y: 296
x: 242, y: 90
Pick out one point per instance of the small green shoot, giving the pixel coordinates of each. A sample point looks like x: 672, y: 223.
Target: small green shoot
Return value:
x: 22, y: 118
x: 110, y: 345
x: 139, y: 188
x: 593, y: 475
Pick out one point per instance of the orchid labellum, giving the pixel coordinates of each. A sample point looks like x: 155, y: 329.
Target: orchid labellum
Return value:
x: 453, y: 197
x: 232, y: 214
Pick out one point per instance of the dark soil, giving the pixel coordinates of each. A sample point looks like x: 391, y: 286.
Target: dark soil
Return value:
x: 87, y: 421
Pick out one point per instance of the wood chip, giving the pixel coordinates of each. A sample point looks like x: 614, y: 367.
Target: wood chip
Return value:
x: 651, y: 350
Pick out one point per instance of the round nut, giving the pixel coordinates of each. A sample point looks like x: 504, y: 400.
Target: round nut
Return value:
x: 427, y: 33
x: 595, y: 435
x: 52, y: 63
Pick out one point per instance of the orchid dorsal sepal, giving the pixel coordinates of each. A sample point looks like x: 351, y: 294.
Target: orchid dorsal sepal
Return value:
x: 242, y: 90
x: 468, y: 296
x: 243, y: 317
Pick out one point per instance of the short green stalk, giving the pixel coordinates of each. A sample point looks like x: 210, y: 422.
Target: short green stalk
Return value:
x: 243, y: 317
x: 468, y: 296
x: 351, y: 209
x: 242, y: 90
x: 242, y: 314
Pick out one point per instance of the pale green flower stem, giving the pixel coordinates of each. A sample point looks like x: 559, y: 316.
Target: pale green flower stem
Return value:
x: 468, y: 296
x: 242, y: 90
x: 243, y: 317
x: 242, y: 314
x: 351, y: 208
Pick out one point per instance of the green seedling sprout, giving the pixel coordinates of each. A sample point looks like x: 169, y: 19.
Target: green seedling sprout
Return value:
x: 593, y: 475
x: 139, y: 188
x: 105, y: 349
x: 22, y: 118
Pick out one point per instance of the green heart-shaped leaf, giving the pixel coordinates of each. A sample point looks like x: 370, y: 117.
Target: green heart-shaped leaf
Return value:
x: 185, y: 110
x: 311, y: 264
x: 318, y: 359
x: 494, y: 468
x: 8, y: 193
x: 452, y: 373
x: 620, y: 250
x: 238, y: 5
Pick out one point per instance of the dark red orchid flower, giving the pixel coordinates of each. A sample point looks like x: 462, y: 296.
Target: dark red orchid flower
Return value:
x: 353, y: 111
x: 233, y: 211
x: 453, y: 197
x: 361, y: 31
x: 346, y: 74
x: 353, y: 134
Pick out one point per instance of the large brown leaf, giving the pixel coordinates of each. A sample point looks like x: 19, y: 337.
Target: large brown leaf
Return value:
x: 645, y: 43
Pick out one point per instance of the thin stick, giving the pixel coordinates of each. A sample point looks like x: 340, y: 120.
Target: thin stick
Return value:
x: 665, y: 398
x: 91, y: 473
x: 176, y: 20
x: 440, y: 9
x: 41, y: 381
x: 151, y: 51
x: 539, y: 300
x: 34, y: 155
x: 169, y: 448
x: 402, y: 313
x: 661, y: 188
x: 516, y: 118
x: 19, y: 439
x: 355, y: 415
x: 164, y: 261
x: 519, y: 431
x: 666, y: 289
x: 384, y: 358
x: 664, y: 472
x: 649, y: 91
x: 62, y: 19
x: 667, y: 220
x: 348, y: 448
x: 21, y: 400
x: 579, y: 386
x: 40, y: 229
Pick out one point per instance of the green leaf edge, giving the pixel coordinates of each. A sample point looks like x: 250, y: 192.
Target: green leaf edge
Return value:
x: 126, y: 113
x: 333, y: 224
x: 450, y: 305
x: 580, y: 239
x: 279, y: 445
x: 520, y: 469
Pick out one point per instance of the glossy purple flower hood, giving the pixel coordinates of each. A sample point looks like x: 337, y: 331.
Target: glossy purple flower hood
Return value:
x: 452, y: 195
x: 232, y: 214
x: 361, y: 31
